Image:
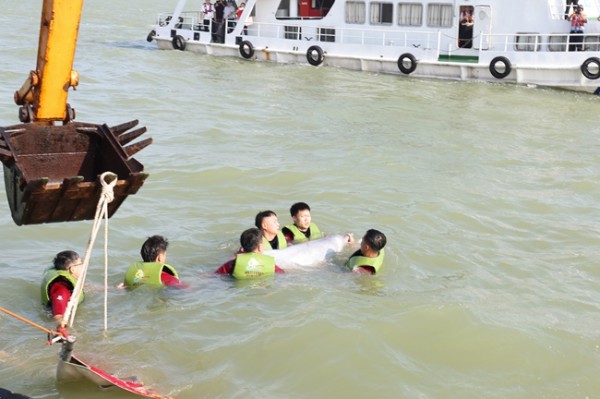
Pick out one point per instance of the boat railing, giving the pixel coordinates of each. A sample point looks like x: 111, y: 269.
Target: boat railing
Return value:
x: 381, y: 37
x: 187, y: 20
x: 537, y: 42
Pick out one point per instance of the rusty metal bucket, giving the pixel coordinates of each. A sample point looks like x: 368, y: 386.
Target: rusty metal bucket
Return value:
x: 51, y: 172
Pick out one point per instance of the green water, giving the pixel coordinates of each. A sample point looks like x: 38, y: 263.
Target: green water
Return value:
x: 488, y: 195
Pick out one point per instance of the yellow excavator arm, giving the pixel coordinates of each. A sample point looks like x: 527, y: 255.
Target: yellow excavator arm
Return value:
x: 43, y: 96
x: 51, y: 163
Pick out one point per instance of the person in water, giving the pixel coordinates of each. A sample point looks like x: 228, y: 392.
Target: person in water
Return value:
x: 303, y: 228
x: 153, y: 269
x: 251, y: 263
x: 268, y: 224
x: 59, y: 282
x: 369, y: 258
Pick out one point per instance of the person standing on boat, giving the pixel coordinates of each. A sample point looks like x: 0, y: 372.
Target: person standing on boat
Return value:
x: 218, y: 27
x: 238, y: 15
x: 369, y: 258
x: 207, y: 13
x: 229, y: 15
x: 577, y: 19
x: 465, y: 30
x: 59, y: 282
x: 153, y: 270
x: 250, y: 262
x: 268, y: 224
x: 303, y: 228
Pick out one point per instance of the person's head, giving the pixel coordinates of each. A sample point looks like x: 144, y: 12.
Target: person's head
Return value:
x: 579, y: 8
x: 154, y: 249
x: 68, y: 261
x: 372, y: 242
x: 251, y: 240
x: 267, y: 222
x: 242, y: 5
x: 300, y: 212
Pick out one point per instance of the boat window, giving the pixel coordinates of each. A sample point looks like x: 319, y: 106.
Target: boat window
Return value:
x: 592, y: 43
x: 410, y: 14
x: 292, y: 32
x: 557, y: 43
x: 382, y: 13
x: 326, y: 35
x: 528, y: 42
x: 355, y: 12
x: 439, y: 15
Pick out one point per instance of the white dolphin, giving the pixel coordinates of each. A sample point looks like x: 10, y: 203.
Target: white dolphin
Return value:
x: 311, y: 253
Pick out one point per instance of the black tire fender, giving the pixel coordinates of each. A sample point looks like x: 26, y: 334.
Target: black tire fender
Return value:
x: 412, y: 63
x: 178, y: 42
x: 585, y: 68
x: 494, y: 67
x: 314, y: 55
x: 246, y: 49
x: 150, y: 36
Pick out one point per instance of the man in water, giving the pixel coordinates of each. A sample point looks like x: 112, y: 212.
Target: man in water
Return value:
x: 369, y: 258
x: 303, y: 228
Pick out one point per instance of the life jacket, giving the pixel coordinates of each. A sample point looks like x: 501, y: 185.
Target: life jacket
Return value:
x: 299, y: 236
x: 359, y: 260
x: 252, y: 265
x: 577, y: 23
x: 147, y: 273
x: 50, y: 276
x: 280, y: 238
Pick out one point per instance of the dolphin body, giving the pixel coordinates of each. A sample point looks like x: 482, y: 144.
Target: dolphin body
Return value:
x: 311, y: 253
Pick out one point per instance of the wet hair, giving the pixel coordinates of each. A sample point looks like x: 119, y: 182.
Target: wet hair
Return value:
x: 299, y: 206
x: 64, y: 258
x: 375, y: 239
x: 250, y: 239
x: 260, y: 216
x: 153, y: 247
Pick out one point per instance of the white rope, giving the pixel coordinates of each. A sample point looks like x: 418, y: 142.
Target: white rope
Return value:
x: 106, y: 197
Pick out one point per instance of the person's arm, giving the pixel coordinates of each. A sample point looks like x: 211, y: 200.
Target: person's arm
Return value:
x: 171, y: 281
x: 226, y: 268
x: 363, y: 270
x: 60, y: 294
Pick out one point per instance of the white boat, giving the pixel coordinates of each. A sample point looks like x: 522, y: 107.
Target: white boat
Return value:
x: 523, y: 42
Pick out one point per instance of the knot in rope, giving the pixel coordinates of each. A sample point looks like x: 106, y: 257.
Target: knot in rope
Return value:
x: 108, y: 181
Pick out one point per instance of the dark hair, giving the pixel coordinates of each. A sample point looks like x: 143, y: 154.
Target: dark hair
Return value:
x: 250, y: 239
x: 153, y: 247
x: 299, y: 206
x: 260, y: 216
x: 375, y: 239
x: 63, y: 259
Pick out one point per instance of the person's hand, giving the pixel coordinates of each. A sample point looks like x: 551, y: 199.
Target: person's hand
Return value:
x: 62, y: 330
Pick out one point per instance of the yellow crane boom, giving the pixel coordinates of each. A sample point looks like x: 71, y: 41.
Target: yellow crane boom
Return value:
x: 44, y: 94
x: 51, y: 169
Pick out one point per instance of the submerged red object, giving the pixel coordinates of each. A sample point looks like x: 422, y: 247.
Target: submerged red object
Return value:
x: 71, y: 368
x: 51, y: 172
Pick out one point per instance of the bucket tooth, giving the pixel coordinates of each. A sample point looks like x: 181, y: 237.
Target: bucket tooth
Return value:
x: 136, y: 147
x: 126, y: 138
x: 123, y: 127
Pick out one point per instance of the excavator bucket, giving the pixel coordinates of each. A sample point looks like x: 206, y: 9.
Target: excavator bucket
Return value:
x: 51, y: 173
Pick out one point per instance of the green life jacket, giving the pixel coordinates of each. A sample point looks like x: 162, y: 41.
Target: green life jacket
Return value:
x: 280, y: 238
x: 147, y: 273
x: 252, y: 265
x: 375, y: 263
x: 49, y: 277
x: 299, y: 236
